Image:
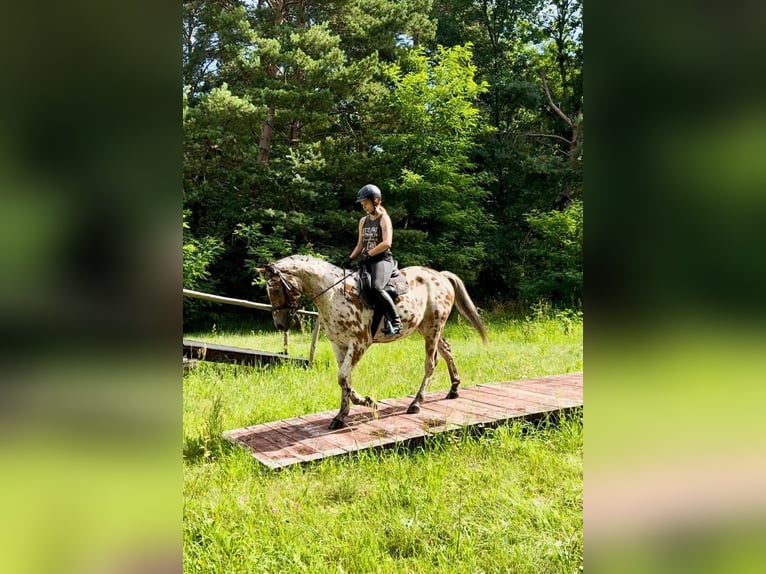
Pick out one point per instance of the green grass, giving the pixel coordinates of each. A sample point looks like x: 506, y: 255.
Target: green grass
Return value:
x: 509, y: 500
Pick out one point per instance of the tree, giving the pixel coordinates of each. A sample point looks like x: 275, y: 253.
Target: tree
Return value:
x: 290, y: 106
x: 430, y: 126
x: 530, y: 54
x: 551, y: 262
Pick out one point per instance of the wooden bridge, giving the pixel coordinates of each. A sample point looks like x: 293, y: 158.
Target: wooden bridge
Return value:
x: 307, y: 438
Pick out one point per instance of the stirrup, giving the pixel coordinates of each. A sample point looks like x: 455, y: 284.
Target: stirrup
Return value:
x: 389, y: 330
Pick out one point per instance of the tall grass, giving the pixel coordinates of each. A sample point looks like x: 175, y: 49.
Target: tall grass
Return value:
x: 509, y: 500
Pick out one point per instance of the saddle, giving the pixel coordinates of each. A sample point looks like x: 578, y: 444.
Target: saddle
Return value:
x: 360, y: 288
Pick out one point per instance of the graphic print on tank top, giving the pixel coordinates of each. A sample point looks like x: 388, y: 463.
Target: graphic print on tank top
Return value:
x: 371, y: 233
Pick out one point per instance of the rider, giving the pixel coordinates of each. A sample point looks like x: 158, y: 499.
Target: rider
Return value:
x: 374, y: 244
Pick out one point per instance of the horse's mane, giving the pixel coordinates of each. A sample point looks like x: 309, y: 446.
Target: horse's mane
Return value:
x: 310, y: 260
x: 302, y: 258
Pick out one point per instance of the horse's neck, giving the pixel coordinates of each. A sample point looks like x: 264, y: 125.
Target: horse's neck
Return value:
x: 315, y: 277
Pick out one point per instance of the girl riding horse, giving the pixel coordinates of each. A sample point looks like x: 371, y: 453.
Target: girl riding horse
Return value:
x: 374, y: 244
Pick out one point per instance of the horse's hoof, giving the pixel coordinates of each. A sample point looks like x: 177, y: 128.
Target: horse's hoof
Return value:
x: 336, y: 424
x: 453, y: 395
x: 369, y: 402
x: 413, y: 410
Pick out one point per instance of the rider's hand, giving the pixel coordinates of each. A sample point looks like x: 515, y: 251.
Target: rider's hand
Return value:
x: 347, y: 263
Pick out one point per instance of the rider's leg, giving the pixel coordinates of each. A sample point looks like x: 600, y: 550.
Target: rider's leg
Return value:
x: 380, y: 273
x: 395, y: 323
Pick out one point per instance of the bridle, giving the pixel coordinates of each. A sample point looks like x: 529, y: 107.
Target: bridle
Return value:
x: 291, y: 303
x: 291, y: 300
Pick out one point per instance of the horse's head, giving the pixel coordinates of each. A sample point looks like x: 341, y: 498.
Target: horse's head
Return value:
x: 283, y: 294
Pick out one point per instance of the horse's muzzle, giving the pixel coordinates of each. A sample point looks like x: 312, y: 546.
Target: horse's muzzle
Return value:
x: 283, y: 321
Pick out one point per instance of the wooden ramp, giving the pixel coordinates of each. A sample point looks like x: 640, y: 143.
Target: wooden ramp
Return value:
x: 199, y: 350
x: 306, y: 438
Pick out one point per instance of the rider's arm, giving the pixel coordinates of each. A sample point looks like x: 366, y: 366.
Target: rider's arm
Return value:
x: 358, y: 249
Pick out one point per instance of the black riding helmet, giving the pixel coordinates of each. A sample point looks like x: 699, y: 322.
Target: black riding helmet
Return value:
x: 370, y: 192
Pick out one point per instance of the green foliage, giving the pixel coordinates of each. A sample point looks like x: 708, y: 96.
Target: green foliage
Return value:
x: 432, y: 106
x: 531, y: 157
x: 551, y: 265
x: 198, y: 255
x: 289, y: 108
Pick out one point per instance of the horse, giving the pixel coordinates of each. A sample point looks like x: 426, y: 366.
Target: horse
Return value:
x: 346, y: 321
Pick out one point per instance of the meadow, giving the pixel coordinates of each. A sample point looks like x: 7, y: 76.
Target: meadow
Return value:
x: 507, y: 500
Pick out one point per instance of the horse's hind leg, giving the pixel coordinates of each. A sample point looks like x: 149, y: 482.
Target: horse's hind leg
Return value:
x: 446, y: 351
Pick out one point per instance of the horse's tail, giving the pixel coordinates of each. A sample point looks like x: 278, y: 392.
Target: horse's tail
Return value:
x: 465, y: 306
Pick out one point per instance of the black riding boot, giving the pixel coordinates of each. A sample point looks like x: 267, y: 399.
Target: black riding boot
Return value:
x: 394, y: 323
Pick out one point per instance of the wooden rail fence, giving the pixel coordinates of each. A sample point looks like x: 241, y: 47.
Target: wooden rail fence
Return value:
x: 212, y: 352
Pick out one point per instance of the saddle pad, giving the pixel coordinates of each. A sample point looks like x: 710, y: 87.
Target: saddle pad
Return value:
x: 396, y: 286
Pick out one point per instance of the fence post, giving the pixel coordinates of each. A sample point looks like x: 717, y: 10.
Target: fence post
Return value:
x: 314, y: 337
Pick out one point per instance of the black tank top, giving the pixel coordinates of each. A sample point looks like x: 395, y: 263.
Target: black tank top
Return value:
x: 372, y: 234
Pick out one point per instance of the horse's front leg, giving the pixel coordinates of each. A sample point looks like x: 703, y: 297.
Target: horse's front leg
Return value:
x: 347, y: 358
x: 430, y: 364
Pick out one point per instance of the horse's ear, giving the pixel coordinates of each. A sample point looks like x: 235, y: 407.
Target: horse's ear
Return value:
x: 267, y: 270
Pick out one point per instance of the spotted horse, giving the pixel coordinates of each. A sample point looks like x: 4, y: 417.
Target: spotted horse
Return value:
x: 346, y: 321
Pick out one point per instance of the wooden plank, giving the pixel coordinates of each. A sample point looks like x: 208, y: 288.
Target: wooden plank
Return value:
x: 282, y: 444
x: 551, y: 388
x: 200, y: 350
x: 296, y: 444
x: 521, y: 404
x: 574, y: 379
x: 307, y: 437
x: 268, y: 447
x: 519, y: 395
x: 482, y: 416
x: 454, y: 416
x: 399, y: 423
x: 367, y: 435
x: 481, y: 410
x: 433, y: 421
x: 316, y: 434
x: 400, y: 429
x: 367, y: 428
x: 540, y: 389
x: 257, y: 441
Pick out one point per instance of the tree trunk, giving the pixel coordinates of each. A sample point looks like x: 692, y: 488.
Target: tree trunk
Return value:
x: 267, y: 131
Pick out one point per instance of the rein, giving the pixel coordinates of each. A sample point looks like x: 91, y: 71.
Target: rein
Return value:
x: 315, y: 297
x: 289, y: 287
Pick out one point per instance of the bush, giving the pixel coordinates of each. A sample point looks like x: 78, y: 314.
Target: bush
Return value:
x: 198, y: 255
x: 551, y: 262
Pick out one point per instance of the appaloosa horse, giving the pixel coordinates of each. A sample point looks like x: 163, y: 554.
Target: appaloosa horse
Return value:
x: 346, y: 320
